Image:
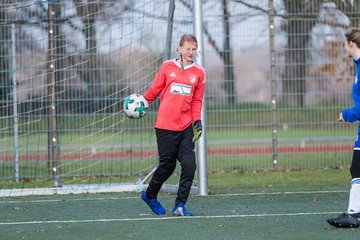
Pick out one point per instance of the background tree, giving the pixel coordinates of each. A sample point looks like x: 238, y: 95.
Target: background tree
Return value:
x: 5, y: 80
x: 87, y: 11
x: 227, y: 56
x: 225, y: 53
x: 301, y: 17
x: 352, y: 9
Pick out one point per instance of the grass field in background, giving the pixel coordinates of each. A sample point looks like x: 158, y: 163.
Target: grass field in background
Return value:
x: 279, y: 180
x: 226, y: 133
x: 119, y: 170
x: 238, y: 140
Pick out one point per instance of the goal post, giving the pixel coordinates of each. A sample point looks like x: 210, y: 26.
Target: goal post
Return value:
x: 201, y: 147
x: 72, y: 68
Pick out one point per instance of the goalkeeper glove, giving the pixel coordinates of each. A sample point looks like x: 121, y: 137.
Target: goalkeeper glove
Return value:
x: 197, y: 128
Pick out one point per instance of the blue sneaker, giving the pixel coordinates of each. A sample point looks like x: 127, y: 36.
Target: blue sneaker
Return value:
x: 180, y: 210
x: 154, y: 204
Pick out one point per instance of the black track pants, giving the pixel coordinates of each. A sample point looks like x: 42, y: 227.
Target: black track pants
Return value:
x: 172, y: 146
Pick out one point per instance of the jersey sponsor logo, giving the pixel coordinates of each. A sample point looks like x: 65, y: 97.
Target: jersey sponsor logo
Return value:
x: 180, y: 89
x: 192, y: 78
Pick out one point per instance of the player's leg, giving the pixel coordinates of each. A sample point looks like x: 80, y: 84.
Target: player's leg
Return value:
x: 187, y: 161
x: 354, y: 199
x: 350, y: 219
x: 167, y: 148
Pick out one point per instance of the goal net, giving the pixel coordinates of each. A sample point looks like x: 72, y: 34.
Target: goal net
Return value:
x: 66, y: 67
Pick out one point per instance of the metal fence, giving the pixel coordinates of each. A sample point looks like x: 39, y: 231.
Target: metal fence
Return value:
x: 277, y: 77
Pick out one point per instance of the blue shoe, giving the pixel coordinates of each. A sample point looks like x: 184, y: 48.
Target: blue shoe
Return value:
x: 154, y: 204
x: 180, y: 210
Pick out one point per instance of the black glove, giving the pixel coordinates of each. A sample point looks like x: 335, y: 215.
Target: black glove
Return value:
x: 197, y: 128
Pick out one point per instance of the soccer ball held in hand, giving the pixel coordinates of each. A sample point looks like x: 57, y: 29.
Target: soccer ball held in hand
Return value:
x: 135, y: 106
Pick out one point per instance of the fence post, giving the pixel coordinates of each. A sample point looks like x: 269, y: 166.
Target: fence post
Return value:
x: 201, y: 147
x: 273, y: 84
x: 15, y: 111
x: 53, y: 145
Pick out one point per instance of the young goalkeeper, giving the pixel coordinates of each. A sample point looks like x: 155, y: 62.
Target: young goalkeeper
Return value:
x: 350, y: 218
x: 180, y: 84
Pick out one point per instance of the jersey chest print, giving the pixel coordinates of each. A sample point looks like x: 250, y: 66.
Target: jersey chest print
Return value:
x: 180, y: 89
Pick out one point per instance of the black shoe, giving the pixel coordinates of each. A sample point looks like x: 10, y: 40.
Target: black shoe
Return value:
x: 355, y: 215
x: 344, y: 221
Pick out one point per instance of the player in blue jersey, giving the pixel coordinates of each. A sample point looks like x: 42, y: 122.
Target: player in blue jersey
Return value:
x: 351, y: 217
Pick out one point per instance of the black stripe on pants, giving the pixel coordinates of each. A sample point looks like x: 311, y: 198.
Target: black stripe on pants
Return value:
x: 172, y: 146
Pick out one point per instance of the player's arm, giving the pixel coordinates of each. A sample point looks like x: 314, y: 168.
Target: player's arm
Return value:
x: 196, y: 109
x: 197, y: 99
x: 156, y: 87
x: 350, y: 115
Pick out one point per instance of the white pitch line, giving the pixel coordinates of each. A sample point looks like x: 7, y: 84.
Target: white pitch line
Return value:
x: 280, y: 193
x: 215, y: 195
x: 168, y: 218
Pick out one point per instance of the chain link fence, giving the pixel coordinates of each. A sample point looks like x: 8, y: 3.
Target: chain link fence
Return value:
x: 277, y: 78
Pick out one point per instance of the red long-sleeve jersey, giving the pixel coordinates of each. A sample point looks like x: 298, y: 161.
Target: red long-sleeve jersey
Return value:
x: 181, y: 94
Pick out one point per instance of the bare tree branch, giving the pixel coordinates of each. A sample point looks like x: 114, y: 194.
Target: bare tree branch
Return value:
x: 210, y: 39
x: 252, y: 6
